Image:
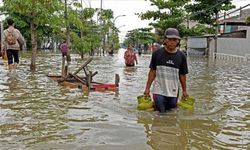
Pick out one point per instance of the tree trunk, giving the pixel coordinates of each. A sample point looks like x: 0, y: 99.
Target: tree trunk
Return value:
x: 33, y: 45
x: 104, y: 43
x: 67, y: 30
x: 82, y: 55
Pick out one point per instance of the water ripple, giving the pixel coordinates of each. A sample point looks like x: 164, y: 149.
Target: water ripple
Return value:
x: 37, y: 113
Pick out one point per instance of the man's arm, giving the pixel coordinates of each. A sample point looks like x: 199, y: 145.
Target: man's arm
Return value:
x: 125, y: 55
x: 151, y: 77
x: 182, y: 78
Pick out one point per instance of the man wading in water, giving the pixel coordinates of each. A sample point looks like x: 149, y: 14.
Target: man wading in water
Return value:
x: 167, y: 66
x: 130, y: 56
x: 12, y: 43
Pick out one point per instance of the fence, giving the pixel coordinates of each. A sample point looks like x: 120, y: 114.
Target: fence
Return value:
x: 229, y: 57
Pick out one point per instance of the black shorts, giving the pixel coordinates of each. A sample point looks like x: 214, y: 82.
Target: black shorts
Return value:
x: 130, y: 65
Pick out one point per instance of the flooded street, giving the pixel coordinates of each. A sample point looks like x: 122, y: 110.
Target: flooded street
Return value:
x: 36, y: 113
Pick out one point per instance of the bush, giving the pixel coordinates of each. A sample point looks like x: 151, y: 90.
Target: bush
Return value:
x: 248, y: 20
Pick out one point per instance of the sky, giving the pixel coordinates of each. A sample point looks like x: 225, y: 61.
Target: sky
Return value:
x: 129, y: 8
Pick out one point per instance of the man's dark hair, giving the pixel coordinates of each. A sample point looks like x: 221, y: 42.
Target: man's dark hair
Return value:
x: 10, y: 22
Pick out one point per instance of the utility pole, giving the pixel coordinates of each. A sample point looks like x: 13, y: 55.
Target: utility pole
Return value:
x: 102, y: 37
x: 188, y: 21
x: 81, y: 17
x: 66, y: 21
x: 101, y: 12
x: 216, y: 32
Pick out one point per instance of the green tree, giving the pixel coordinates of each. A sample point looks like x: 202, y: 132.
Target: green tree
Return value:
x: 248, y: 20
x: 114, y: 38
x: 89, y: 41
x: 85, y: 33
x: 141, y: 36
x: 169, y: 13
x: 205, y: 11
x: 106, y: 17
x: 200, y: 29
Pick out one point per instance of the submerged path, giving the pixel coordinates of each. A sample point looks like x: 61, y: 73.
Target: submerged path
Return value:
x: 37, y: 113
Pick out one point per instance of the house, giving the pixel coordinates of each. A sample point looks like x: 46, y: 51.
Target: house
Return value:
x: 234, y: 23
x: 233, y: 46
x: 233, y: 43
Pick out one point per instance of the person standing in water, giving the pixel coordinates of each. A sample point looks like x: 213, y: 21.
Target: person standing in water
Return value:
x: 130, y: 56
x: 12, y: 43
x: 168, y: 66
x: 155, y: 47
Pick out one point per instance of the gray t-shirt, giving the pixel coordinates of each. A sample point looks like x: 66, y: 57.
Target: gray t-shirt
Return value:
x: 16, y: 33
x: 168, y: 66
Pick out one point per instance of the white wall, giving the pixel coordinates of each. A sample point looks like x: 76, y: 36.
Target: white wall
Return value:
x: 234, y: 46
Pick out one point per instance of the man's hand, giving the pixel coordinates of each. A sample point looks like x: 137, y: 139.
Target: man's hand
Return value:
x: 147, y: 92
x: 184, y: 95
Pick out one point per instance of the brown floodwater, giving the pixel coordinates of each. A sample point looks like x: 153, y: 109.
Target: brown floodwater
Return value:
x: 36, y: 113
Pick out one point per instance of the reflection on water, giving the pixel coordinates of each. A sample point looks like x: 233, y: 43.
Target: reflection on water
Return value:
x: 37, y: 113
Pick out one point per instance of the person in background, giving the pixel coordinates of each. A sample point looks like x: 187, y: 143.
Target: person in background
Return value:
x: 2, y: 51
x: 155, y: 47
x: 64, y: 48
x: 168, y: 66
x: 139, y: 49
x: 111, y: 51
x: 130, y: 56
x: 12, y: 43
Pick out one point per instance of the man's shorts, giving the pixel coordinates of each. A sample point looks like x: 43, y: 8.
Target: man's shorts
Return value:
x: 164, y: 103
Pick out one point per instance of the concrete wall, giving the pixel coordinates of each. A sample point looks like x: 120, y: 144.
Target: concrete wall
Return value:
x: 211, y: 48
x: 197, y: 46
x: 234, y: 46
